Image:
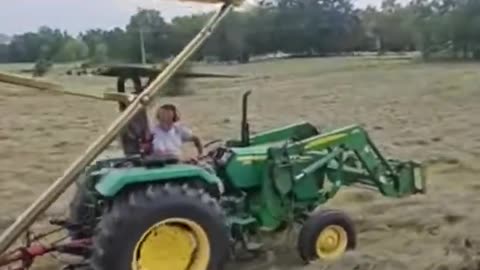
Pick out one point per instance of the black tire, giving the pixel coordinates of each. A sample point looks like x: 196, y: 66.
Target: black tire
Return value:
x: 318, y: 222
x: 131, y: 215
x: 82, y: 210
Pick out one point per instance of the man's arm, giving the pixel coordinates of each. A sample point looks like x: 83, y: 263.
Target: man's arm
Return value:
x: 188, y: 136
x: 198, y: 144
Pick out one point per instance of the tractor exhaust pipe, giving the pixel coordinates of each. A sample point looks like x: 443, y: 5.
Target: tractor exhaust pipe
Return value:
x: 245, y: 128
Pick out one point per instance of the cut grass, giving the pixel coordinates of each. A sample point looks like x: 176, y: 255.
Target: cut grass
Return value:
x: 427, y: 112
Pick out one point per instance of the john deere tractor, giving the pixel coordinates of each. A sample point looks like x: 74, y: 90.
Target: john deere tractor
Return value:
x: 148, y: 213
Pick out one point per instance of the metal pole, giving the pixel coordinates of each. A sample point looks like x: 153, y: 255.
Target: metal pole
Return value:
x: 26, y: 219
x: 142, y: 42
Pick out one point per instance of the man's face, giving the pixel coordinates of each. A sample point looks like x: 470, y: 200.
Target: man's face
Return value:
x: 166, y: 116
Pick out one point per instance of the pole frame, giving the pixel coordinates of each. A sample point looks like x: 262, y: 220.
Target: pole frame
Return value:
x: 38, y: 207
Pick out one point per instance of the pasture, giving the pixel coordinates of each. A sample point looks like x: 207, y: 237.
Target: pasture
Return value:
x: 426, y: 112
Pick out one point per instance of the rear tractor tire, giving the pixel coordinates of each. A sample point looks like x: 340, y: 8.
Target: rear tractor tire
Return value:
x: 162, y: 228
x: 326, y: 236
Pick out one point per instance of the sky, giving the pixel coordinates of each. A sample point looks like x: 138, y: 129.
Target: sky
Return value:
x: 75, y: 16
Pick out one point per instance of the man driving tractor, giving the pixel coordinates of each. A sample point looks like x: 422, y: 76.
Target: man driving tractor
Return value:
x: 169, y: 134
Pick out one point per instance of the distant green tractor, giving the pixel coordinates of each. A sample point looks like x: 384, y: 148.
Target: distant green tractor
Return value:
x: 145, y: 213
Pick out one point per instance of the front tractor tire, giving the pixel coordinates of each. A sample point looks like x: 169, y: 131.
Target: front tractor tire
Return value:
x: 162, y: 228
x: 326, y: 236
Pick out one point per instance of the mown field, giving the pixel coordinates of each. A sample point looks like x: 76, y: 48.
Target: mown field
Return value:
x: 426, y: 112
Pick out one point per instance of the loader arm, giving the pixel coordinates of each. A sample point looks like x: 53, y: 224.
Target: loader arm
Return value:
x: 299, y: 173
x: 350, y: 157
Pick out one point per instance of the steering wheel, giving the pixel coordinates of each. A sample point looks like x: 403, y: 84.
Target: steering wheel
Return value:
x: 211, y: 153
x: 212, y: 142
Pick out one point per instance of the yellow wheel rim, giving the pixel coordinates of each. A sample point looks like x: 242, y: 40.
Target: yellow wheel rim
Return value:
x: 172, y: 244
x: 331, y: 243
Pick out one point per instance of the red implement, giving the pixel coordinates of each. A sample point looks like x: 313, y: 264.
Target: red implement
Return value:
x: 24, y: 257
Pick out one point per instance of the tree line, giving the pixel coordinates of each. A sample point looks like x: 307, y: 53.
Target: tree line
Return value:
x: 437, y: 28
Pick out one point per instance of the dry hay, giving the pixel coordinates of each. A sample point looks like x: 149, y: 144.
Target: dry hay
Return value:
x: 423, y: 112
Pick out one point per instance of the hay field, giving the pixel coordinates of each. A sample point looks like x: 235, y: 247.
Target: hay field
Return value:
x: 426, y: 112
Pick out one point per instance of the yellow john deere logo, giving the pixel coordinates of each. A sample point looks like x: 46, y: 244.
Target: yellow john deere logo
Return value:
x: 250, y: 159
x: 325, y: 140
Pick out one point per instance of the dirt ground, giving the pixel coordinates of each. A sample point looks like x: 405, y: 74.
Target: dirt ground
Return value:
x: 426, y: 112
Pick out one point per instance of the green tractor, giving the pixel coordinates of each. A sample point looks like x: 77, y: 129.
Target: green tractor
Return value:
x: 138, y: 212
x: 147, y: 213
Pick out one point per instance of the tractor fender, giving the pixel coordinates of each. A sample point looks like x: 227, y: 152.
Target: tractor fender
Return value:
x: 115, y: 180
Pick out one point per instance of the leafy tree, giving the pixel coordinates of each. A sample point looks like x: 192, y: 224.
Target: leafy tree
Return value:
x: 228, y: 42
x: 437, y: 28
x: 92, y: 38
x: 118, y: 44
x: 72, y: 50
x: 183, y: 29
x: 260, y: 30
x: 100, y: 53
x: 155, y: 31
x: 4, y: 53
